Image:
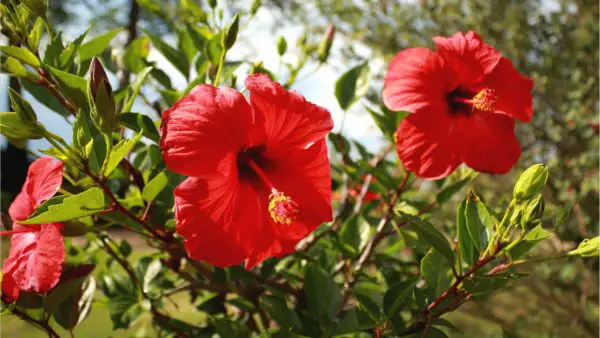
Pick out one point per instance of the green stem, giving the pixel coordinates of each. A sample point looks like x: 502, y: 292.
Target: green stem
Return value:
x: 220, y: 69
x: 540, y: 259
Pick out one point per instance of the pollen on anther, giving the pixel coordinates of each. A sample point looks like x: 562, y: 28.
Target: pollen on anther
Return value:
x: 282, y: 208
x: 485, y: 100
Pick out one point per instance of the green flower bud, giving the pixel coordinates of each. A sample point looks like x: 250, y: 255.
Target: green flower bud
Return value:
x: 281, y: 45
x: 254, y: 7
x: 37, y: 7
x: 22, y: 107
x: 587, y: 248
x: 533, y: 211
x: 101, y: 97
x: 231, y: 32
x: 531, y: 182
x: 212, y: 3
x: 325, y: 44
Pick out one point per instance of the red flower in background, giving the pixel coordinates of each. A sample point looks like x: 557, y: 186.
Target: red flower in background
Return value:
x: 37, y: 252
x: 464, y: 98
x: 260, y: 176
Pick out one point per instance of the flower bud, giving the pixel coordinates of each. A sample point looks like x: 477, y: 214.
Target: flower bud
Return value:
x: 254, y: 7
x: 326, y: 42
x: 37, y: 7
x: 101, y: 98
x: 281, y: 45
x: 231, y: 32
x: 22, y: 107
x: 212, y: 3
x: 587, y: 248
x: 531, y: 182
x: 533, y: 211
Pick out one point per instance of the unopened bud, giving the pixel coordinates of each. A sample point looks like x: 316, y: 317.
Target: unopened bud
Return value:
x: 533, y: 211
x: 326, y: 42
x: 587, y: 248
x: 531, y: 182
x: 254, y: 7
x: 22, y: 107
x: 101, y: 97
x: 281, y: 45
x: 231, y: 32
x: 212, y: 3
x: 301, y: 42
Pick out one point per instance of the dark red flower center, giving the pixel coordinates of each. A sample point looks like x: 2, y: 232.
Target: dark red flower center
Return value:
x: 466, y: 101
x: 282, y: 209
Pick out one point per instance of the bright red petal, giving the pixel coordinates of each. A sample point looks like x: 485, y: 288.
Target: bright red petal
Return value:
x: 208, y: 218
x: 427, y: 144
x: 489, y: 143
x: 203, y: 128
x: 21, y: 207
x: 35, y: 258
x: 304, y: 175
x: 284, y: 118
x: 513, y: 91
x: 417, y: 78
x: 468, y: 55
x: 10, y: 289
x: 44, y: 178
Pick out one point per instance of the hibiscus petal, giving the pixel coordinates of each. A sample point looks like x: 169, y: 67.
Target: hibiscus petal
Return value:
x: 489, y: 143
x: 39, y: 264
x: 513, y: 91
x: 203, y: 128
x: 303, y: 175
x: 10, y: 289
x: 468, y: 55
x: 206, y: 218
x: 284, y: 117
x: 44, y: 178
x: 417, y: 78
x: 427, y: 144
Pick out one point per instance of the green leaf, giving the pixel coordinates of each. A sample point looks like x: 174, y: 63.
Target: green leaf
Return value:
x: 185, y: 44
x: 369, y: 306
x: 348, y: 323
x: 42, y: 94
x: 62, y: 208
x: 486, y: 284
x: 352, y: 85
x: 435, y: 270
x: 429, y: 233
x: 445, y: 194
x: 353, y: 235
x: 387, y: 121
x: 397, y: 295
x: 322, y: 294
x: 176, y: 58
x: 279, y: 311
x: 21, y: 54
x: 14, y: 67
x: 155, y: 186
x: 14, y: 128
x: 152, y: 271
x: 77, y: 306
x: 141, y: 123
x: 68, y: 54
x: 36, y: 33
x: 479, y: 222
x: 531, y: 239
x: 136, y: 54
x: 53, y: 50
x: 118, y: 153
x: 124, y: 304
x: 97, y: 45
x: 136, y: 85
x: 467, y: 249
x: 74, y: 86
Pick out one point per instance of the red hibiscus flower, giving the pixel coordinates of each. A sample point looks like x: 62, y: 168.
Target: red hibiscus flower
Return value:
x: 37, y: 252
x: 464, y: 98
x: 260, y: 176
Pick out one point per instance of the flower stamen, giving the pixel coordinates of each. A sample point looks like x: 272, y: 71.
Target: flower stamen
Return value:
x: 282, y: 208
x: 485, y: 100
